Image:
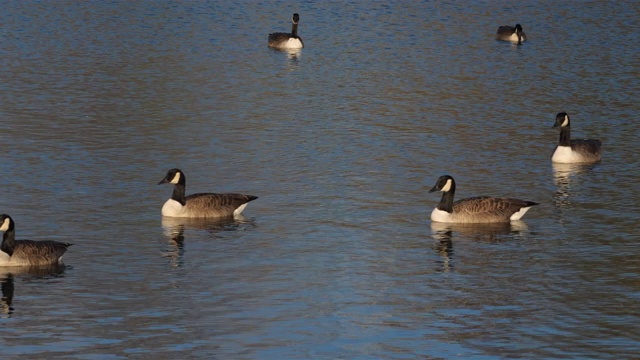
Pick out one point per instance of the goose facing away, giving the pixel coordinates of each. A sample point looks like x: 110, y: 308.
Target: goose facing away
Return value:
x: 482, y: 209
x: 200, y: 205
x: 574, y: 151
x: 290, y: 40
x: 511, y: 33
x: 27, y: 252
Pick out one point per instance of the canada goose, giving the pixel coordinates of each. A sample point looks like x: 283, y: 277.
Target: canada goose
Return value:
x: 573, y: 151
x: 510, y: 33
x: 481, y: 209
x: 200, y: 205
x: 27, y: 252
x: 287, y: 40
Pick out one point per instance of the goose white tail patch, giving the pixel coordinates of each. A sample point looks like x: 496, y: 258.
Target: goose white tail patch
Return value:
x: 5, y: 225
x: 239, y: 210
x: 520, y: 213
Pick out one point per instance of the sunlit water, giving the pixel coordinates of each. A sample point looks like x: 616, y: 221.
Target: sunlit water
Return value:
x: 341, y: 141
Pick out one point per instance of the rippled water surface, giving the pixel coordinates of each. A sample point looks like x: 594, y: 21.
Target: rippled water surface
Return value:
x: 341, y: 141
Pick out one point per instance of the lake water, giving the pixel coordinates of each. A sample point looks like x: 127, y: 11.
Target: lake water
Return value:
x: 341, y: 141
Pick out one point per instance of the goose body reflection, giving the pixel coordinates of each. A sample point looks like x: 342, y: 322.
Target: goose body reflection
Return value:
x: 42, y: 271
x: 445, y: 233
x: 443, y: 247
x: 293, y: 57
x: 173, y: 225
x: 478, y: 231
x: 8, y: 275
x: 564, y: 175
x: 6, y: 283
x: 174, y: 229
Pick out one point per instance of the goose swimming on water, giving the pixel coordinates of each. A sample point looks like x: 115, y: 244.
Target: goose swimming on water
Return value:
x: 27, y: 252
x: 511, y: 33
x: 291, y: 40
x: 481, y: 209
x: 574, y: 151
x: 200, y: 205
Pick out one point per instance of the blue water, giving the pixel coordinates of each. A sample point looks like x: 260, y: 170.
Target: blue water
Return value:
x: 341, y: 141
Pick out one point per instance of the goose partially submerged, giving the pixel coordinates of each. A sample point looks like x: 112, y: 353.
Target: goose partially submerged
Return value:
x: 27, y: 252
x: 511, y: 33
x: 481, y: 209
x: 200, y: 205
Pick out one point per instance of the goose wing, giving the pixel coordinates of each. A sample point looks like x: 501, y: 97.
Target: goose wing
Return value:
x: 505, y: 30
x: 587, y: 147
x: 488, y: 209
x: 217, y: 204
x: 275, y: 38
x: 39, y: 252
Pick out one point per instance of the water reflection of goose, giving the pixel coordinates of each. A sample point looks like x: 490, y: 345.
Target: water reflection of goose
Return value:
x: 175, y: 232
x: 176, y: 226
x: 563, y: 176
x: 293, y: 56
x: 443, y: 246
x: 563, y: 173
x: 443, y: 233
x: 174, y: 229
x: 8, y: 274
x: 6, y: 282
x: 483, y: 232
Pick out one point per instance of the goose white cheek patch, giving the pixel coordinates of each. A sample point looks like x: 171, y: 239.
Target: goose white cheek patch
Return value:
x: 5, y: 225
x: 447, y: 186
x: 176, y: 178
